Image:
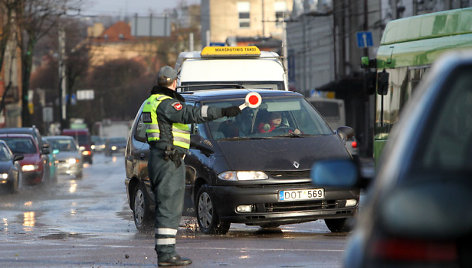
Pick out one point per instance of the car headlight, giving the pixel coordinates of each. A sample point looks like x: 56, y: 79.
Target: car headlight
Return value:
x: 113, y: 148
x: 72, y: 161
x: 86, y: 153
x: 242, y: 176
x: 27, y: 168
x: 4, y: 176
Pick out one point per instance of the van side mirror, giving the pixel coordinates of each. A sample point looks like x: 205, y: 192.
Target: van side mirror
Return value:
x: 382, y: 83
x: 199, y: 143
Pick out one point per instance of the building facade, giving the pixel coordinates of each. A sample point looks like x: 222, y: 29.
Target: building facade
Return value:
x: 221, y: 20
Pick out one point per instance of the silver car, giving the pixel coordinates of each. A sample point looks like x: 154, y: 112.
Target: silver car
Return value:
x: 67, y: 154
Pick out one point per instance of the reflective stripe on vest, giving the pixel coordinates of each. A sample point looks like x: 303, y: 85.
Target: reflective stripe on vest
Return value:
x: 180, y: 132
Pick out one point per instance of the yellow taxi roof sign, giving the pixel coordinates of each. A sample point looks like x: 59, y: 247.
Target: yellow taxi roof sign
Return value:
x: 215, y: 52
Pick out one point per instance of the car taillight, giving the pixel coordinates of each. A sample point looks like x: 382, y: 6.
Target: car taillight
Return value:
x: 354, y: 144
x: 415, y: 250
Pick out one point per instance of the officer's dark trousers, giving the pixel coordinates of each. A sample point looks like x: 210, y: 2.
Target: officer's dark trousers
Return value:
x: 168, y: 187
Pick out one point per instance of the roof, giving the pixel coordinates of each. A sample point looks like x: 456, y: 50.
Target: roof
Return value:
x: 215, y: 94
x: 432, y: 25
x: 59, y: 137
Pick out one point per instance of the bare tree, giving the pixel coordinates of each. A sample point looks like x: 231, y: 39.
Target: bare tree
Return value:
x: 8, y: 32
x: 36, y: 18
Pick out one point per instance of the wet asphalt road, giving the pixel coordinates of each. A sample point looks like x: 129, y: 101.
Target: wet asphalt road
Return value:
x: 87, y: 223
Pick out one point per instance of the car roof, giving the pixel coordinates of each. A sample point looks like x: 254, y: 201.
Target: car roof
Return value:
x: 217, y: 94
x: 59, y: 137
x: 26, y: 130
x: 16, y: 135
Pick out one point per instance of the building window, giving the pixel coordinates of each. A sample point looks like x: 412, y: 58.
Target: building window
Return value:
x: 243, y: 12
x: 280, y: 11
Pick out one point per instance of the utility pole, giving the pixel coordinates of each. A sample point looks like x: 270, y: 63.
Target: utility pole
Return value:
x: 62, y: 75
x: 263, y: 19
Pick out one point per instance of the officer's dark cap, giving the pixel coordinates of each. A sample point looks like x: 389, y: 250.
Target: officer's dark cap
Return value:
x: 166, y: 76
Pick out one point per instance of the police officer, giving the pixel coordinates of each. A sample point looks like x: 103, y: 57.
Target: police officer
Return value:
x: 166, y: 116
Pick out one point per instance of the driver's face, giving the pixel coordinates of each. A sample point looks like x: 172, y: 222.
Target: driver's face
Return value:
x: 276, y: 121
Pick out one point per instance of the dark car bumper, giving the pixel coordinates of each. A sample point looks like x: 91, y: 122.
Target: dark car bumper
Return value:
x: 268, y: 209
x: 33, y: 177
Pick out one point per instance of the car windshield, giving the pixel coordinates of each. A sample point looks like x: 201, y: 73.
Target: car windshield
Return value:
x: 119, y: 141
x: 4, y: 153
x: 275, y: 117
x: 63, y: 145
x: 21, y: 145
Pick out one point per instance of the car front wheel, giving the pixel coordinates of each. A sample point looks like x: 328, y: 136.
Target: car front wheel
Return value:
x: 141, y: 212
x: 338, y: 225
x: 207, y: 217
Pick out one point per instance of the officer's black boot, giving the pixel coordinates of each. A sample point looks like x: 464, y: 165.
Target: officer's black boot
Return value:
x: 174, y: 260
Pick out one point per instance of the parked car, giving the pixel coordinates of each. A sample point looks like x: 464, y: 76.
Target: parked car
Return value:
x: 43, y: 147
x: 115, y: 145
x: 82, y: 137
x: 67, y: 155
x: 33, y: 165
x: 10, y: 169
x: 235, y: 173
x: 417, y: 210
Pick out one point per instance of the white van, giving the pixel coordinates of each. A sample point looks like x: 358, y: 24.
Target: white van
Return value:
x: 244, y: 66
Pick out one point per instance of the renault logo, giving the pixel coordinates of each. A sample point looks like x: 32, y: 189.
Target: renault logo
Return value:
x: 296, y: 164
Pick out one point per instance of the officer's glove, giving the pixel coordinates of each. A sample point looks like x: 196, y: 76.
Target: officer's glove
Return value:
x: 230, y: 111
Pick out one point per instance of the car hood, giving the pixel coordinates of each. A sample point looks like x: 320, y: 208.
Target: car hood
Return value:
x: 30, y: 159
x: 5, y: 166
x: 281, y: 153
x: 67, y: 155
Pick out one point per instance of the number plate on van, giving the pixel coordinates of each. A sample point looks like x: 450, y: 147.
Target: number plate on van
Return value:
x: 302, y: 194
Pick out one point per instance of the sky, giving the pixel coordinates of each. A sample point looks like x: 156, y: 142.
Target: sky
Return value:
x: 129, y: 7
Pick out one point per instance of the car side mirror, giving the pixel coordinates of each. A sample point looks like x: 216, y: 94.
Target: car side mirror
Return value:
x: 45, y: 149
x: 199, y: 143
x: 345, y: 132
x: 18, y: 157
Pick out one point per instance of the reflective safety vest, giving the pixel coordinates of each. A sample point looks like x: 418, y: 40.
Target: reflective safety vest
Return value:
x: 180, y: 132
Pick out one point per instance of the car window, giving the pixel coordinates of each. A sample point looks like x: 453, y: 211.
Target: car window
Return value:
x: 21, y: 145
x: 449, y: 145
x: 4, y: 153
x: 275, y: 117
x: 63, y: 145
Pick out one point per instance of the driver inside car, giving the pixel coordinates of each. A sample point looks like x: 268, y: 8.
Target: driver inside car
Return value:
x: 274, y: 123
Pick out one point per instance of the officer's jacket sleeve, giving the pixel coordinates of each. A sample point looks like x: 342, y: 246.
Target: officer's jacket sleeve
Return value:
x: 179, y: 112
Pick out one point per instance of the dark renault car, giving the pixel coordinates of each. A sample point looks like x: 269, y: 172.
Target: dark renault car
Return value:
x: 417, y: 211
x: 242, y: 170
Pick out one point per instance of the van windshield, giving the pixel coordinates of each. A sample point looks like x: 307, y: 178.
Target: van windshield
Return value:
x: 192, y: 86
x: 275, y: 117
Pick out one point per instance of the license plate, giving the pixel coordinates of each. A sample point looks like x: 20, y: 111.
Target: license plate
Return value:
x: 302, y: 194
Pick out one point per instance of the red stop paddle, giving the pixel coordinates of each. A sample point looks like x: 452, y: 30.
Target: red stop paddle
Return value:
x: 253, y: 100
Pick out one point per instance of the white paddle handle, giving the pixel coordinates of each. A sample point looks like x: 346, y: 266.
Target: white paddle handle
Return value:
x: 242, y: 106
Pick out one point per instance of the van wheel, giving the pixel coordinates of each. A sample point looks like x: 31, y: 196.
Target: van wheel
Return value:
x: 141, y: 212
x: 338, y: 225
x: 207, y: 217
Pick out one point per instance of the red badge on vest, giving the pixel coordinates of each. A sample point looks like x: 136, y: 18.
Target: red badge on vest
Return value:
x: 177, y: 106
